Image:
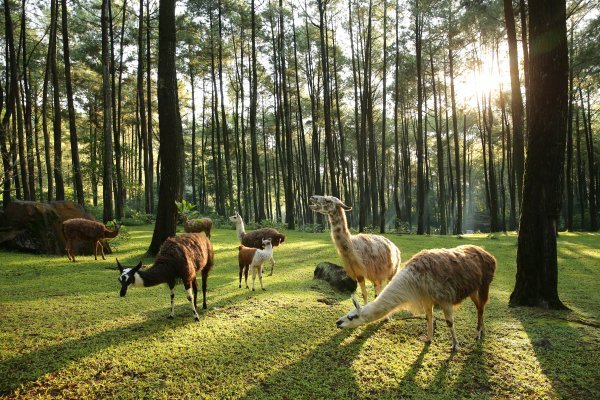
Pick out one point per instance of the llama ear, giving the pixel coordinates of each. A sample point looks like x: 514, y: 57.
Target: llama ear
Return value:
x: 346, y: 208
x: 137, y: 267
x: 356, y: 303
x: 119, y: 265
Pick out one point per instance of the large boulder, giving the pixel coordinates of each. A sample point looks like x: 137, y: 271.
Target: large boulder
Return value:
x: 335, y: 276
x: 36, y: 227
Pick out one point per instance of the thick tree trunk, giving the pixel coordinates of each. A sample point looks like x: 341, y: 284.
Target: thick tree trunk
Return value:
x: 58, y: 170
x: 537, y: 269
x: 142, y: 110
x: 170, y: 128
x: 420, y: 147
x: 107, y: 183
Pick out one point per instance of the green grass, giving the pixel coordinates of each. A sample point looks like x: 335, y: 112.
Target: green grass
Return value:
x: 65, y: 332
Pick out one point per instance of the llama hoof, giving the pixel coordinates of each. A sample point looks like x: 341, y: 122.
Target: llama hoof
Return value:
x: 197, y: 318
x: 271, y: 274
x: 240, y: 286
x: 479, y: 336
x: 454, y: 347
x: 264, y: 289
x: 253, y: 289
x: 426, y: 339
x: 170, y: 317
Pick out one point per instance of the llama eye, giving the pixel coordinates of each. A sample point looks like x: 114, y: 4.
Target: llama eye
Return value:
x: 351, y: 317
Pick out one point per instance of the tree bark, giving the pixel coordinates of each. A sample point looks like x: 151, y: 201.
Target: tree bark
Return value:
x: 537, y: 269
x: 170, y: 128
x: 107, y: 183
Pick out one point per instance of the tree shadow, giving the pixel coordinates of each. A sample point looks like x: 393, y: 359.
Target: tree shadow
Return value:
x: 325, y: 373
x: 566, y: 348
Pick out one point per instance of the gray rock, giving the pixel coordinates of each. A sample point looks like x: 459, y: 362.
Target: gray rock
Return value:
x: 335, y: 276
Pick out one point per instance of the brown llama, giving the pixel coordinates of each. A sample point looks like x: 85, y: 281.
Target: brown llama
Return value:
x: 443, y: 277
x: 197, y: 225
x: 365, y: 256
x: 179, y: 258
x: 86, y: 230
x: 254, y: 238
x: 250, y: 257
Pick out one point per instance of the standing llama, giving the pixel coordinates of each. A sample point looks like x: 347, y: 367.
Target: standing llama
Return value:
x: 197, y: 225
x: 250, y: 257
x: 442, y: 277
x: 255, y: 237
x: 179, y: 258
x: 86, y: 230
x: 372, y: 257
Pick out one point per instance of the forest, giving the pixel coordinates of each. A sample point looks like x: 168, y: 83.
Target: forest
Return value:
x: 413, y: 112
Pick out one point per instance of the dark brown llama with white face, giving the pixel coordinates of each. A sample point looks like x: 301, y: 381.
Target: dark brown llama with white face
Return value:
x: 86, y: 230
x: 443, y: 277
x: 180, y: 258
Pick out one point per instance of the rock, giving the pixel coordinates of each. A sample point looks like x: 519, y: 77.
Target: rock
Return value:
x: 335, y: 276
x: 35, y: 227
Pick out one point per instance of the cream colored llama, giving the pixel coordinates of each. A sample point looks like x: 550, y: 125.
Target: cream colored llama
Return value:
x: 365, y: 256
x: 442, y: 277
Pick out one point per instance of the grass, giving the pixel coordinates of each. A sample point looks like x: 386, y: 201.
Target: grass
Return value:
x: 64, y: 331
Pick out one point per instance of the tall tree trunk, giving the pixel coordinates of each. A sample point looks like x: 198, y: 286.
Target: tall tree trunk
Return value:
x: 516, y: 99
x: 256, y: 170
x: 58, y: 172
x: 149, y: 101
x: 27, y: 100
x: 569, y: 165
x: 170, y: 128
x: 420, y: 149
x: 537, y: 269
x: 459, y: 200
x: 142, y: 110
x: 587, y: 129
x: 107, y: 183
x: 118, y: 131
x: 77, y: 178
x: 383, y: 126
x: 440, y: 153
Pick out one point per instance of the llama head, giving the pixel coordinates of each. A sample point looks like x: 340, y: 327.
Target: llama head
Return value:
x: 353, y: 318
x: 236, y: 218
x: 327, y: 205
x: 266, y: 242
x: 127, y: 276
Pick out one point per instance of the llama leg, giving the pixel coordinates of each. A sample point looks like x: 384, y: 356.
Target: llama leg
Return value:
x: 447, y: 308
x: 102, y: 250
x: 260, y: 277
x: 377, y: 285
x: 204, y: 281
x: 241, y: 271
x: 68, y: 249
x: 363, y: 289
x: 482, y: 296
x: 190, y: 297
x: 272, y: 265
x: 172, y: 313
x: 246, y: 275
x: 253, y: 275
x: 96, y: 250
x: 195, y: 287
x: 429, y: 318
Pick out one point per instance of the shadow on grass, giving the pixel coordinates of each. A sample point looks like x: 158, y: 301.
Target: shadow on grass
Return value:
x: 325, y: 373
x: 568, y: 352
x: 20, y: 369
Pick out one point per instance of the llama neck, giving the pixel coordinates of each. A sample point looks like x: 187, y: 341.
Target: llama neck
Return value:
x: 240, y: 229
x: 110, y: 234
x: 339, y: 229
x: 152, y: 276
x: 399, y: 293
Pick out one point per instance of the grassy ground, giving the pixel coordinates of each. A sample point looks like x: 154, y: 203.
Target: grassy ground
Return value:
x: 64, y: 332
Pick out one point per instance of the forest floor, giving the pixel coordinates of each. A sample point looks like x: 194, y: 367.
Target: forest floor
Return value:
x: 66, y: 333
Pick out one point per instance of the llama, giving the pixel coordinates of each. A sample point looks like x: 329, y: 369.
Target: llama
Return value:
x: 442, y: 277
x: 250, y: 257
x: 87, y: 230
x: 197, y: 225
x: 255, y: 237
x: 179, y: 258
x: 372, y: 257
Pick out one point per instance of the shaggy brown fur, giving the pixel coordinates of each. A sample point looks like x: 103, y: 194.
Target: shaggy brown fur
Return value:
x: 180, y: 258
x: 198, y: 225
x: 253, y: 257
x: 245, y: 256
x: 443, y: 277
x: 85, y: 229
x: 365, y: 256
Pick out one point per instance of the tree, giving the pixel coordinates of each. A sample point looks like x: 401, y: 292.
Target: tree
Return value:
x: 170, y: 128
x: 537, y: 269
x: 107, y: 183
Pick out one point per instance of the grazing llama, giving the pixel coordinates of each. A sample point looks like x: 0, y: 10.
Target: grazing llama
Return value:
x: 442, y: 277
x: 255, y: 237
x: 180, y: 258
x: 365, y: 256
x: 198, y: 225
x: 86, y: 230
x: 250, y: 257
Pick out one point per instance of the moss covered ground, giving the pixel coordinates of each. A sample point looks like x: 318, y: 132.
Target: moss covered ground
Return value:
x: 66, y: 333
